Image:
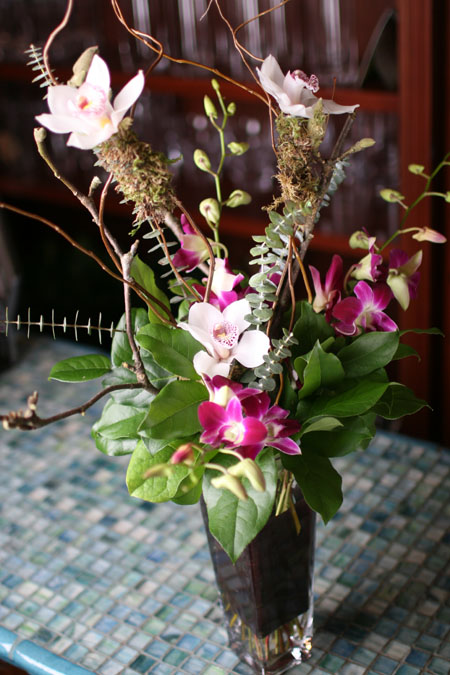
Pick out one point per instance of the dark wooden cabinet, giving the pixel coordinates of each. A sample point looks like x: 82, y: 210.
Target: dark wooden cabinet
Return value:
x: 414, y: 128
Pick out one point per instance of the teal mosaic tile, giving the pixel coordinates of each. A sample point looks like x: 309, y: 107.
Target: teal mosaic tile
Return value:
x: 118, y: 587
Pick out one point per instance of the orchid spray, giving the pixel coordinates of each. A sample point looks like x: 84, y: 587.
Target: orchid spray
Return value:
x: 219, y: 384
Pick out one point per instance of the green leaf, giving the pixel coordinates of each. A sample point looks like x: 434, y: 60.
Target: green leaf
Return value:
x: 351, y: 397
x: 320, y: 424
x: 80, y: 368
x: 421, y: 331
x: 145, y: 277
x: 119, y: 421
x: 398, y: 401
x: 173, y: 411
x: 319, y: 482
x: 321, y: 370
x: 404, y: 351
x: 172, y: 348
x: 190, y: 489
x: 354, y: 434
x: 368, y: 352
x: 155, y: 488
x: 233, y: 522
x: 113, y: 447
x: 120, y: 348
x: 309, y: 328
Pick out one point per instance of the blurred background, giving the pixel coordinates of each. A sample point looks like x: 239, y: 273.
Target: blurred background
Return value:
x: 390, y: 56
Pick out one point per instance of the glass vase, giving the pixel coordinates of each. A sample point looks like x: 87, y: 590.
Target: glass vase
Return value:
x: 267, y: 594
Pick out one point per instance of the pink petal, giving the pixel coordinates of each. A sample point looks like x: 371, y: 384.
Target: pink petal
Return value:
x: 364, y: 292
x: 382, y: 296
x: 255, y: 431
x: 348, y: 310
x: 286, y: 445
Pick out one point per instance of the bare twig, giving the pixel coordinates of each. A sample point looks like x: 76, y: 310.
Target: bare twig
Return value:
x: 52, y: 36
x: 29, y: 420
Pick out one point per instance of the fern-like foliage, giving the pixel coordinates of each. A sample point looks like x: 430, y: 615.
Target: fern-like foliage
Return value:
x: 271, y: 255
x: 37, y: 64
x: 337, y: 178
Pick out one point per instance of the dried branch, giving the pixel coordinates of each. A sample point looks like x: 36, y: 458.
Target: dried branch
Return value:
x: 52, y: 36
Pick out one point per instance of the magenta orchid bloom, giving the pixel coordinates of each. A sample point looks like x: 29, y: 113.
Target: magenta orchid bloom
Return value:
x: 225, y: 337
x: 193, y: 249
x: 294, y: 92
x: 403, y: 277
x: 248, y: 434
x: 86, y: 112
x: 223, y: 286
x: 365, y: 311
x: 329, y: 294
x: 367, y: 268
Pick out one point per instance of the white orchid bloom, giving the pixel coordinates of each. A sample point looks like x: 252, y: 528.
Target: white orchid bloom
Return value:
x: 223, y: 334
x: 86, y: 112
x: 294, y: 92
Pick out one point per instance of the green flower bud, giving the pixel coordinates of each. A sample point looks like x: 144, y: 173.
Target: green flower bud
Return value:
x: 359, y: 239
x: 238, y: 148
x: 417, y: 169
x: 247, y: 468
x: 210, y: 108
x: 210, y: 209
x: 228, y: 482
x: 215, y: 85
x: 361, y: 145
x: 391, y: 196
x: 201, y: 160
x: 231, y: 108
x: 238, y: 198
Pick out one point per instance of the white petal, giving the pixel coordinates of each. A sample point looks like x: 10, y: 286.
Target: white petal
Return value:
x: 251, y: 348
x: 203, y: 336
x: 204, y: 364
x: 86, y: 141
x: 333, y: 108
x: 298, y: 110
x: 294, y: 88
x: 61, y: 124
x: 98, y: 74
x: 130, y: 93
x: 59, y: 97
x: 203, y: 314
x: 271, y: 73
x: 235, y: 313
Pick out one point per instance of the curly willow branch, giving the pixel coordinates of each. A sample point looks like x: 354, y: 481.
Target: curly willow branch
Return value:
x: 52, y: 36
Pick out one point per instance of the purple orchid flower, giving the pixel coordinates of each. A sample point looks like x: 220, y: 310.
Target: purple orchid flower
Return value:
x: 365, y: 311
x: 193, y: 249
x: 403, y: 277
x: 329, y: 294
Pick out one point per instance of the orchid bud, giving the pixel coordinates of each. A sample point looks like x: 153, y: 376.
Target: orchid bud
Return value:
x: 215, y: 85
x: 447, y: 196
x: 238, y: 198
x: 40, y: 134
x: 201, y: 160
x: 427, y: 234
x: 210, y: 209
x: 238, y: 148
x: 247, y: 468
x: 210, y: 108
x: 228, y: 482
x: 361, y: 145
x: 391, y: 196
x: 359, y: 239
x: 416, y: 169
x: 183, y: 455
x: 231, y: 108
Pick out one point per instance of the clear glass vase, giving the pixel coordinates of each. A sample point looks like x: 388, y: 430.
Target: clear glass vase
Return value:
x: 267, y: 596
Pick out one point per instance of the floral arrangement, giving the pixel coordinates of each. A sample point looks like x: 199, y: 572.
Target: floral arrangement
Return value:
x: 220, y: 384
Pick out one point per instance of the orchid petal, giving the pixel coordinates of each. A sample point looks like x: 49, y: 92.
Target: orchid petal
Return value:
x: 204, y: 364
x: 251, y: 349
x: 333, y: 108
x: 129, y: 94
x: 58, y: 98
x: 61, y: 124
x: 286, y: 445
x: 98, y: 74
x: 236, y: 312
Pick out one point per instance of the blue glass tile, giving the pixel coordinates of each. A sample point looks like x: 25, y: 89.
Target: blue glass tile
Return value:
x: 7, y: 639
x: 385, y: 665
x: 106, y: 624
x: 39, y: 661
x: 142, y: 664
x: 343, y: 648
x: 189, y: 642
x: 416, y: 658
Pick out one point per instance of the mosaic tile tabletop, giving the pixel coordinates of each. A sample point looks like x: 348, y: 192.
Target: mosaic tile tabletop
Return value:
x: 94, y: 581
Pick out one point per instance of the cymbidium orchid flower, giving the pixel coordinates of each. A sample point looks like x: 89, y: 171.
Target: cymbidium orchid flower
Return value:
x: 330, y: 293
x: 223, y: 284
x: 403, y: 277
x: 294, y: 92
x: 365, y: 311
x: 193, y: 249
x: 248, y: 433
x: 225, y: 337
x: 86, y: 112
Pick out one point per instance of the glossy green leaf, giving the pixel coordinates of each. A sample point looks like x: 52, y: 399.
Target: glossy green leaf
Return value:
x: 309, y: 328
x: 113, y: 447
x: 404, y: 351
x: 120, y: 349
x: 80, y: 368
x: 398, y: 401
x: 145, y: 277
x: 321, y: 424
x: 354, y: 434
x: 319, y: 481
x: 155, y: 488
x: 318, y: 369
x: 368, y: 352
x: 119, y: 421
x: 233, y: 522
x: 173, y: 412
x: 172, y: 348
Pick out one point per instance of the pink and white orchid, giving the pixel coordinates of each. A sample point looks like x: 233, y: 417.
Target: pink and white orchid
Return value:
x: 225, y: 337
x: 246, y: 422
x: 367, y: 268
x: 294, y: 92
x: 330, y: 293
x: 223, y: 284
x: 403, y: 277
x: 365, y: 311
x: 86, y: 112
x: 193, y: 249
